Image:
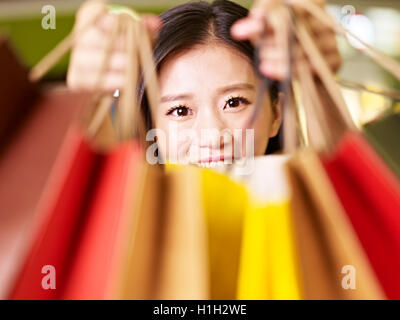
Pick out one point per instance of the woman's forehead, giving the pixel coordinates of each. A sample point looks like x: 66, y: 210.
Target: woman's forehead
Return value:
x: 209, y: 66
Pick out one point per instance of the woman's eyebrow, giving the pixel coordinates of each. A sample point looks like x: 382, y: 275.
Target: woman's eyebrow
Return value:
x: 169, y: 98
x: 238, y: 86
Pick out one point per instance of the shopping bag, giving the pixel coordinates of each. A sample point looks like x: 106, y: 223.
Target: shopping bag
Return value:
x: 329, y: 249
x: 33, y: 124
x: 82, y: 177
x: 336, y: 130
x: 370, y: 194
x: 168, y: 255
x: 140, y: 266
x: 96, y: 263
x: 25, y: 167
x: 224, y: 201
x: 332, y: 124
x: 269, y: 267
x: 350, y: 155
x: 184, y: 260
x: 366, y: 187
x: 43, y: 274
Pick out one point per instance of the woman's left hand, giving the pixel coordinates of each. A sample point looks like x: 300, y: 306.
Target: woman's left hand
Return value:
x: 273, y: 50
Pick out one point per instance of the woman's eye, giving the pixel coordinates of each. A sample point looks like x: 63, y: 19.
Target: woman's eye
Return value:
x: 235, y: 102
x: 180, y: 111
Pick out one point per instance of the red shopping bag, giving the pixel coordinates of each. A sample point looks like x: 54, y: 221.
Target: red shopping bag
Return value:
x: 33, y: 124
x: 84, y: 216
x: 59, y: 215
x: 370, y: 194
x: 96, y: 265
x: 25, y: 166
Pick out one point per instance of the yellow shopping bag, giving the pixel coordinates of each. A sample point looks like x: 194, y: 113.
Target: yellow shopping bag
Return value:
x: 268, y: 261
x: 224, y: 202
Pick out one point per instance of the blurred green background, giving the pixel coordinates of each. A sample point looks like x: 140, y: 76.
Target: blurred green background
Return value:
x: 21, y: 21
x: 378, y: 22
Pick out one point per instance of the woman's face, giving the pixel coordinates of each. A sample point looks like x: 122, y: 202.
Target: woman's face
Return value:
x: 207, y: 99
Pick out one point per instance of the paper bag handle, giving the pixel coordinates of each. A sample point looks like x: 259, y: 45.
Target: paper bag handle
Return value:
x: 386, y: 62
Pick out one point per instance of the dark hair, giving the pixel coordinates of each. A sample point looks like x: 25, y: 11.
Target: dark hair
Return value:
x: 196, y: 23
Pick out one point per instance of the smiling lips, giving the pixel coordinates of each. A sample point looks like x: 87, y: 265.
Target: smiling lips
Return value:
x: 216, y: 161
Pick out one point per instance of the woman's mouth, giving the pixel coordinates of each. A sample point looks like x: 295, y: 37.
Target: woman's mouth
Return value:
x: 216, y: 161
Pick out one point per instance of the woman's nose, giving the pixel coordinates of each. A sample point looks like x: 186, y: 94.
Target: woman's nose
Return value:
x: 210, y: 129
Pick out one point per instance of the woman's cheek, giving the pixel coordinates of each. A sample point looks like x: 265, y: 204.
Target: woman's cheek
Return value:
x: 176, y: 143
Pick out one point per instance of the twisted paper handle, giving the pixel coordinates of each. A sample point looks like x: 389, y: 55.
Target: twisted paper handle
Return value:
x: 140, y: 57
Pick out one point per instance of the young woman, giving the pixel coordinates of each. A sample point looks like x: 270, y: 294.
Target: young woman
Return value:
x: 204, y: 57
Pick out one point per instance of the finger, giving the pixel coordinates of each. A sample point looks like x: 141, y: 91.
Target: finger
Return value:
x: 326, y: 42
x: 271, y: 53
x: 88, y: 10
x: 95, y: 38
x: 113, y: 81
x: 273, y: 71
x: 320, y: 3
x: 247, y: 28
x: 262, y: 7
x: 107, y: 22
x: 98, y: 35
x: 93, y: 60
x: 299, y: 9
x: 251, y: 27
x: 268, y: 42
x: 280, y: 22
x: 316, y: 26
x: 87, y: 81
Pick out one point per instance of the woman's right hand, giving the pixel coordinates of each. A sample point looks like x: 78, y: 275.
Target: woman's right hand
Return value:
x: 90, y: 47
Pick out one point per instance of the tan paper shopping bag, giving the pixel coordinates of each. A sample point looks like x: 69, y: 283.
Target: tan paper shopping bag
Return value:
x: 140, y: 271
x: 168, y: 256
x: 328, y: 245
